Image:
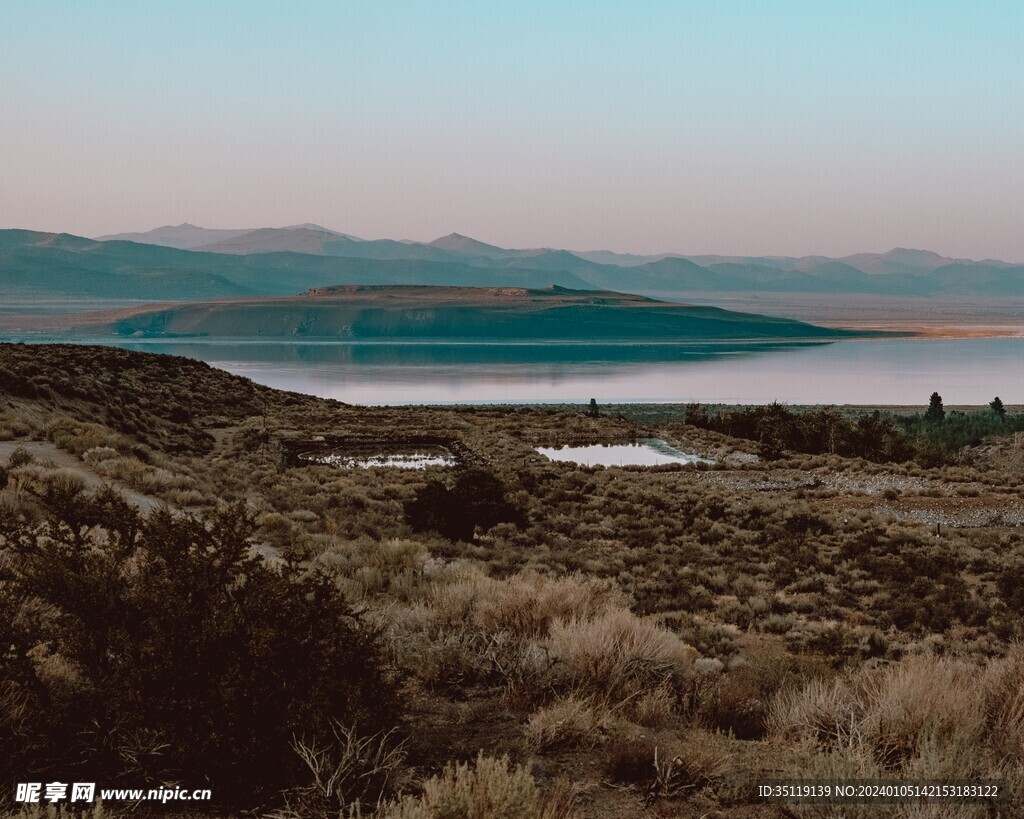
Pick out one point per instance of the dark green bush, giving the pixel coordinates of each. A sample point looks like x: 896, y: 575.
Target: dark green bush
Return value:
x: 931, y: 440
x: 477, y: 498
x: 630, y: 761
x: 157, y: 649
x: 1011, y: 586
x: 19, y: 457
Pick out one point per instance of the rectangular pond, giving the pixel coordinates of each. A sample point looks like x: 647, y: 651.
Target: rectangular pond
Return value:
x: 645, y: 452
x: 397, y: 458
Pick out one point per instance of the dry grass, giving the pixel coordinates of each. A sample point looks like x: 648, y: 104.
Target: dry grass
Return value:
x: 146, y: 478
x: 528, y: 605
x: 97, y: 811
x: 490, y: 789
x: 524, y: 606
x: 347, y: 774
x: 568, y: 722
x: 618, y: 654
x: 558, y: 614
x: 655, y: 708
x: 1002, y: 692
x: 926, y: 717
x: 538, y: 636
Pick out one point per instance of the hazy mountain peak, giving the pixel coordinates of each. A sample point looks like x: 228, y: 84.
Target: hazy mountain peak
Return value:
x: 317, y: 228
x: 185, y: 236
x: 275, y: 240
x: 918, y: 258
x: 458, y: 243
x: 897, y: 260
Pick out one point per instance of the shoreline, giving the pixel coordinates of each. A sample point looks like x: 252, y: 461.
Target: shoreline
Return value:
x: 619, y: 407
x: 927, y: 330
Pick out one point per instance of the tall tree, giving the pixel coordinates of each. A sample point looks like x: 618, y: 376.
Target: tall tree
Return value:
x: 935, y: 412
x: 996, y: 405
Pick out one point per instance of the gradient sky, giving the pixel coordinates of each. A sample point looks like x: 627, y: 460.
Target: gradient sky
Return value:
x: 717, y: 126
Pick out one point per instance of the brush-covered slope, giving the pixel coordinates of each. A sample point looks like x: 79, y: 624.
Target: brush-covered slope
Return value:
x: 365, y: 312
x: 167, y: 402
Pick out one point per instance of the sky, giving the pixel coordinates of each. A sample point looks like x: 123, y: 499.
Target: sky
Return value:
x: 693, y: 126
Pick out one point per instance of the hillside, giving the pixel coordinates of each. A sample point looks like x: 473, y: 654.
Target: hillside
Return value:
x: 696, y: 625
x: 459, y: 313
x: 164, y: 401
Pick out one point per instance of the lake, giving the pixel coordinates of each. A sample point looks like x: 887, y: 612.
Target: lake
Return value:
x: 892, y: 371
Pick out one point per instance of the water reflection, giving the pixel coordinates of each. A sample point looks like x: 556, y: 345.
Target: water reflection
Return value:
x: 554, y: 355
x: 892, y: 371
x: 419, y: 458
x: 646, y: 452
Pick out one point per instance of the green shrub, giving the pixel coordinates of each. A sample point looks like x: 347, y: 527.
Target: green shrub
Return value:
x: 477, y: 498
x: 20, y: 457
x: 160, y: 649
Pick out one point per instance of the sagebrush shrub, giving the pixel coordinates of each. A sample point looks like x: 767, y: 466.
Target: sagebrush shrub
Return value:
x: 490, y: 789
x: 925, y: 717
x: 619, y: 654
x: 570, y: 721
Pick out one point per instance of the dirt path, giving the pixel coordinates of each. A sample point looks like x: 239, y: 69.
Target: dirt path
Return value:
x: 45, y: 452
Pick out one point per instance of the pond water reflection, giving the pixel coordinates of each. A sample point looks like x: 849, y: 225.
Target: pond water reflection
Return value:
x: 645, y: 452
x: 419, y: 458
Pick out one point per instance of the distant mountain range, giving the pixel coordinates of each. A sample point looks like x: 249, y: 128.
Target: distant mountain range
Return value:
x: 191, y: 237
x: 64, y: 266
x: 186, y: 262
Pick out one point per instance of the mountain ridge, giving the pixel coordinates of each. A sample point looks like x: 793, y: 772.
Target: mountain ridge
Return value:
x: 291, y: 259
x: 61, y: 265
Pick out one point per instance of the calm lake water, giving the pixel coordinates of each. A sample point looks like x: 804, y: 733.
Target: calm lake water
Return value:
x: 893, y: 371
